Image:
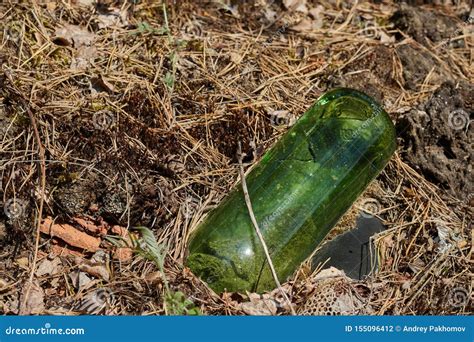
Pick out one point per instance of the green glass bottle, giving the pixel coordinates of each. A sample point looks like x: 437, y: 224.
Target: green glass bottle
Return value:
x: 299, y: 190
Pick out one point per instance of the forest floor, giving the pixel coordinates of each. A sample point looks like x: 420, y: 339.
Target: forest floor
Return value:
x: 119, y: 115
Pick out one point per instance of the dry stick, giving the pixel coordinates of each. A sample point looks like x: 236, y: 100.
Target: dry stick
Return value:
x: 257, y: 229
x: 43, y: 188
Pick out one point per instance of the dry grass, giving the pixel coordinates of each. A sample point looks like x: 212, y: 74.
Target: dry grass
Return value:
x: 142, y: 119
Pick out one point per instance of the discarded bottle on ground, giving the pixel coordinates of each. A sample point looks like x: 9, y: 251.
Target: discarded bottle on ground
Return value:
x: 299, y: 190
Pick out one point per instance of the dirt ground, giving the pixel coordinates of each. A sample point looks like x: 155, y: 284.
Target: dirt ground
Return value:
x: 115, y: 115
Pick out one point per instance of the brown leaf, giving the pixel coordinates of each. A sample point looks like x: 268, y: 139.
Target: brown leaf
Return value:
x: 31, y: 299
x: 386, y: 39
x: 99, y: 84
x: 296, y: 5
x: 98, y: 271
x: 97, y: 266
x: 305, y: 25
x: 73, y: 35
x: 259, y: 307
x: 49, y: 267
x: 80, y: 280
x: 84, y: 57
x: 115, y: 18
x: 85, y: 3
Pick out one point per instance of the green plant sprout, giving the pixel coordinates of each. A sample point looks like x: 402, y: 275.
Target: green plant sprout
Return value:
x: 174, y: 302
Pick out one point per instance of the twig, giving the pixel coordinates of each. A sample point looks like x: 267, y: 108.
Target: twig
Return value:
x: 42, y: 159
x: 257, y: 229
x: 43, y: 187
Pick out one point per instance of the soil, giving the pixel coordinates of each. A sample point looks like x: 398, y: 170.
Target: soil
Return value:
x: 145, y: 132
x: 425, y: 25
x: 438, y: 138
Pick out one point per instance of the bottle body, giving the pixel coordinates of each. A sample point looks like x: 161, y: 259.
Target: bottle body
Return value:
x: 299, y: 190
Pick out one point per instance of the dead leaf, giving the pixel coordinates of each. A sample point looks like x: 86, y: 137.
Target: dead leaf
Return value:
x: 154, y: 277
x: 49, y: 267
x: 115, y: 18
x: 73, y: 35
x: 84, y: 58
x: 260, y: 307
x: 11, y: 306
x: 23, y: 262
x: 235, y: 57
x: 330, y: 272
x: 388, y: 241
x: 98, y: 271
x: 31, y: 299
x: 305, y: 25
x: 385, y: 38
x: 51, y: 6
x: 80, y: 280
x: 85, y: 3
x: 270, y: 14
x: 96, y: 267
x: 100, y: 83
x: 296, y: 5
x: 317, y: 13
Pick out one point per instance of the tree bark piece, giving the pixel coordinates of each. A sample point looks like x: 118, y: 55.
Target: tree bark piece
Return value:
x: 70, y: 235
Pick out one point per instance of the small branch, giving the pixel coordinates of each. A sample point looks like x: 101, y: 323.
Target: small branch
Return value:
x: 43, y: 187
x: 42, y: 157
x: 257, y: 229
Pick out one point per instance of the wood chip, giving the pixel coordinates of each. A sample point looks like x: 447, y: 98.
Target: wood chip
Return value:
x: 58, y: 248
x: 89, y: 225
x: 70, y: 235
